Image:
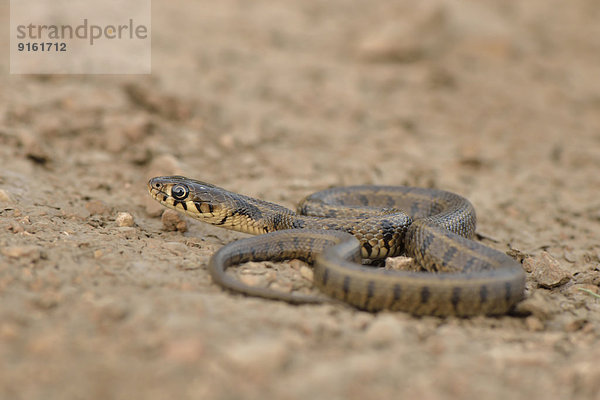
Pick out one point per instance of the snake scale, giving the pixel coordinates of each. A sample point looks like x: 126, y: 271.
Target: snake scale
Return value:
x: 336, y: 228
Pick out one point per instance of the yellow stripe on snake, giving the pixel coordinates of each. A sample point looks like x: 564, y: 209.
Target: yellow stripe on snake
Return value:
x: 334, y: 229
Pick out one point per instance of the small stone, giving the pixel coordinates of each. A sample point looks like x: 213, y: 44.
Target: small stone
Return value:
x: 112, y: 310
x: 172, y: 221
x: 16, y: 227
x: 98, y: 254
x: 470, y: 155
x: 570, y: 256
x: 4, y: 196
x: 124, y: 219
x: 251, y: 279
x: 307, y: 273
x: 34, y: 149
x: 400, y: 263
x: 47, y: 300
x: 422, y: 29
x: 285, y: 287
x: 546, y: 270
x: 33, y: 252
x: 296, y: 264
x: 575, y: 324
x: 97, y: 207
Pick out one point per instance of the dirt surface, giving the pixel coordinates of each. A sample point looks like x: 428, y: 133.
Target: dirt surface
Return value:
x: 498, y: 101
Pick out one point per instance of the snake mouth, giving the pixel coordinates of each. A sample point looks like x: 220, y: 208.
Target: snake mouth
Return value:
x: 155, y: 192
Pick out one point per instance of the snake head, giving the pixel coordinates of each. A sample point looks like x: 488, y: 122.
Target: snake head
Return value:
x: 198, y: 199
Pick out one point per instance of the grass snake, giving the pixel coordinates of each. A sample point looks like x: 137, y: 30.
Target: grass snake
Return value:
x: 336, y: 228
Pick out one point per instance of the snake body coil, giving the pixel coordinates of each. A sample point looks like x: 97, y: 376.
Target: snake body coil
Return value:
x: 335, y: 228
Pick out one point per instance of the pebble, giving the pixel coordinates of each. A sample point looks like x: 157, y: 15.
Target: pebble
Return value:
x: 34, y: 149
x: 296, y: 264
x: 285, y: 287
x: 173, y: 221
x: 421, y: 29
x: 124, y: 219
x: 16, y: 227
x: 400, y: 263
x: 47, y: 300
x: 575, y: 324
x: 33, y: 252
x: 4, y: 196
x: 113, y: 310
x: 251, y: 279
x: 546, y: 270
x: 570, y: 256
x: 307, y: 273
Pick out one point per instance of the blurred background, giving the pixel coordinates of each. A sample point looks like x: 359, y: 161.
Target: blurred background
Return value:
x: 498, y: 101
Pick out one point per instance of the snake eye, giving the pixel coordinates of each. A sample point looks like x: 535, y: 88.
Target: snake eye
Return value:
x: 179, y: 192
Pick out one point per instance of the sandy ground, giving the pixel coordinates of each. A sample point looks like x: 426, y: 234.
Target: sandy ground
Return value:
x: 498, y: 101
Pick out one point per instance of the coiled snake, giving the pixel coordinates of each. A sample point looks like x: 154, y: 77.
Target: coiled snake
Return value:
x: 335, y: 228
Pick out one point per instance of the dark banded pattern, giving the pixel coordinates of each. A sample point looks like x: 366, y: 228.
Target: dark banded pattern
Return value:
x: 339, y: 226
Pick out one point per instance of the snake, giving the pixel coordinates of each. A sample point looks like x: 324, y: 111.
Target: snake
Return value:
x: 338, y: 230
